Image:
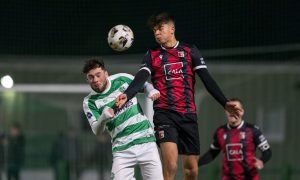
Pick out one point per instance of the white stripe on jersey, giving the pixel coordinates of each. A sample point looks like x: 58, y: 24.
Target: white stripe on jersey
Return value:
x: 199, y: 67
x: 102, y: 102
x: 133, y: 120
x: 86, y: 109
x: 119, y: 82
x: 264, y: 146
x: 212, y: 146
x: 146, y: 68
x: 127, y: 106
x: 113, y: 77
x: 126, y: 139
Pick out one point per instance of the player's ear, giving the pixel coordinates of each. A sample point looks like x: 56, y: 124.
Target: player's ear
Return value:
x: 173, y: 30
x: 243, y: 112
x: 173, y: 27
x: 106, y: 74
x: 87, y: 78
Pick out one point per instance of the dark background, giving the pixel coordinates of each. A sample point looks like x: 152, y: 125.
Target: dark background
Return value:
x: 252, y: 49
x: 80, y: 27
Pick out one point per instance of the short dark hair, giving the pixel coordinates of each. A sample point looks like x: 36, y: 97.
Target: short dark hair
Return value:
x: 160, y: 18
x: 237, y: 99
x: 92, y: 63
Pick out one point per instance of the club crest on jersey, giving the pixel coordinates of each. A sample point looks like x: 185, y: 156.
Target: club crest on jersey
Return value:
x: 122, y: 89
x: 161, y: 134
x: 242, y: 135
x: 173, y: 71
x: 202, y: 60
x: 89, y: 115
x: 234, y: 152
x: 180, y: 53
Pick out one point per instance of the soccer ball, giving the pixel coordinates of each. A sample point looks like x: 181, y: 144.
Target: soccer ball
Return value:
x: 120, y: 37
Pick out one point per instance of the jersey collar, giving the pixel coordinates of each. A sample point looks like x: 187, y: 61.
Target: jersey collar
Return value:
x: 239, y: 126
x: 108, y: 87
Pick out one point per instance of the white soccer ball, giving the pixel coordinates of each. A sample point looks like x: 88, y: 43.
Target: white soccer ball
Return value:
x: 120, y: 37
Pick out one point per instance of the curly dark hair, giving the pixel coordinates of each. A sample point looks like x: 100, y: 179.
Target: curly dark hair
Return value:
x: 92, y: 63
x: 160, y: 18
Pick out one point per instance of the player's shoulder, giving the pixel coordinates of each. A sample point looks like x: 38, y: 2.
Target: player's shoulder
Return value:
x: 120, y: 76
x: 154, y: 48
x: 187, y: 45
x: 184, y: 44
x: 89, y: 96
x: 220, y: 131
x: 251, y: 126
x: 221, y: 128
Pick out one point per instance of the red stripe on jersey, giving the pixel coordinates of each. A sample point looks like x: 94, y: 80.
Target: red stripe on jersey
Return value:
x: 238, y: 150
x: 172, y: 74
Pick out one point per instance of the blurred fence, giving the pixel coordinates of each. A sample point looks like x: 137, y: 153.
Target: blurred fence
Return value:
x: 270, y: 91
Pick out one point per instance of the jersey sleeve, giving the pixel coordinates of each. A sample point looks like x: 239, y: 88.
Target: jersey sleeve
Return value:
x: 212, y: 153
x: 90, y: 111
x: 140, y: 77
x: 146, y: 63
x: 197, y: 59
x: 126, y: 75
x: 260, y: 140
x: 215, y: 145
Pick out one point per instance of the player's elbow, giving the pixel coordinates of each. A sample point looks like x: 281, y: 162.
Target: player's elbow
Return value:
x: 95, y: 127
x: 94, y: 131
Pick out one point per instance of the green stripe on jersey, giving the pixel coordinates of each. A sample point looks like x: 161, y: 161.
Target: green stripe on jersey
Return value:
x: 134, y: 128
x: 92, y: 106
x: 134, y: 110
x: 129, y: 126
x: 134, y: 142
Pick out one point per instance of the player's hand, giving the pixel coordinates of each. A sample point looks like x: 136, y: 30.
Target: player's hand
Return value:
x: 106, y: 116
x: 233, y: 108
x: 258, y: 164
x: 154, y: 94
x: 108, y: 113
x: 111, y: 112
x: 121, y: 100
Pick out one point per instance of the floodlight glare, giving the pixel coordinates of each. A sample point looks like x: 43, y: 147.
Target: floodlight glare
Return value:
x: 7, y: 81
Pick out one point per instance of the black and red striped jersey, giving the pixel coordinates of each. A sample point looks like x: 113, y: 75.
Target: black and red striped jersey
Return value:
x: 238, y: 146
x: 173, y: 75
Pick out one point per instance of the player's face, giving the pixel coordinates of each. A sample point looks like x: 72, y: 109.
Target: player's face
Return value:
x: 97, y: 79
x: 164, y: 33
x: 235, y: 120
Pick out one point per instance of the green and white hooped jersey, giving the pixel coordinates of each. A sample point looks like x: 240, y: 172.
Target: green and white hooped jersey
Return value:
x: 129, y: 126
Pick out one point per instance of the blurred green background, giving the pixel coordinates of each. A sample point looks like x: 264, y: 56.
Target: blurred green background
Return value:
x: 252, y: 49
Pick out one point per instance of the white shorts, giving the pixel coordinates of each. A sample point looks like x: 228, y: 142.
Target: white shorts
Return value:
x: 145, y: 155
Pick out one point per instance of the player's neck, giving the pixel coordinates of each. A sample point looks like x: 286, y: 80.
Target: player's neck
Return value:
x: 170, y: 44
x: 235, y: 125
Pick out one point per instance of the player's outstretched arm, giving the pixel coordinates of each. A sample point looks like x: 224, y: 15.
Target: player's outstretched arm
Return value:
x: 208, y: 157
x: 211, y: 86
x: 266, y: 156
x: 134, y: 87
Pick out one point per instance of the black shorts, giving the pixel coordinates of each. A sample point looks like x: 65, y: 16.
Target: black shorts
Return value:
x: 182, y: 129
